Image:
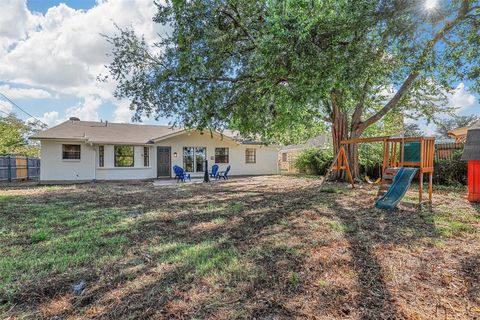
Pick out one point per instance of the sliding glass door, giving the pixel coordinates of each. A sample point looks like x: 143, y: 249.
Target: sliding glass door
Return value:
x: 194, y: 159
x: 200, y: 157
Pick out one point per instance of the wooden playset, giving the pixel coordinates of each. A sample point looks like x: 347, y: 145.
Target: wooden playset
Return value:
x: 403, y: 157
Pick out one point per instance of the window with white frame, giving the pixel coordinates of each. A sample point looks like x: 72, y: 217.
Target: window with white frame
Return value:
x: 70, y: 151
x: 250, y: 155
x: 221, y: 155
x: 146, y: 156
x: 124, y: 156
x: 101, y: 156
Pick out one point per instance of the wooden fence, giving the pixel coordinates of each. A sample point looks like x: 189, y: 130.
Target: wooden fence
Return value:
x: 444, y: 151
x: 15, y: 168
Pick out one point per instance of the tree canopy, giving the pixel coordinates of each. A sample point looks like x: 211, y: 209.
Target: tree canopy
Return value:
x: 284, y: 69
x: 413, y: 130
x: 445, y: 125
x: 14, y: 135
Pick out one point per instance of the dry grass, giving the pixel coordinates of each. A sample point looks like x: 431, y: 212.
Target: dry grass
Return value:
x: 265, y: 248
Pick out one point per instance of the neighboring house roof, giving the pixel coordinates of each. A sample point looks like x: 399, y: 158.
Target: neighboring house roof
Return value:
x: 120, y: 133
x: 318, y: 141
x: 460, y: 133
x: 444, y: 140
x: 471, y: 151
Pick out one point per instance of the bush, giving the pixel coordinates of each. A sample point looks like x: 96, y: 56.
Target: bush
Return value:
x: 452, y: 172
x: 314, y: 161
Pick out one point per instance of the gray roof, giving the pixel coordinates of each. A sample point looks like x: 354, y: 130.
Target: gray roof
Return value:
x: 471, y: 151
x: 103, y: 132
x: 475, y: 125
x: 318, y: 141
x: 444, y: 140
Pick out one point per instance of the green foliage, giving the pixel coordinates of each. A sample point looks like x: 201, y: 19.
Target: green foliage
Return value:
x: 40, y: 235
x: 269, y: 68
x: 413, y: 130
x: 445, y: 125
x: 452, y: 171
x: 371, y: 154
x: 14, y: 135
x: 314, y: 161
x: 332, y: 190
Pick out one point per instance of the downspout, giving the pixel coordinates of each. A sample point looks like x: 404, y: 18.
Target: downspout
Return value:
x: 94, y: 163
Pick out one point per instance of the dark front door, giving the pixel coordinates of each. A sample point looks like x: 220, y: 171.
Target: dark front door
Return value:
x: 163, y: 162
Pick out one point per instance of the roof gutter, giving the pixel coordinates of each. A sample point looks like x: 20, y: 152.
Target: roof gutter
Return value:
x: 57, y: 139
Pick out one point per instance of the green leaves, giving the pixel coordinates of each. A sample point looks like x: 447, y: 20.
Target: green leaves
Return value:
x: 14, y: 135
x: 267, y: 67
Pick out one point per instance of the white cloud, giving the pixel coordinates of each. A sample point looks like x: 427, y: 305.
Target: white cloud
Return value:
x: 63, y: 50
x: 5, y: 107
x: 24, y: 93
x: 14, y: 24
x: 122, y: 112
x: 88, y: 110
x: 51, y: 118
x: 461, y: 98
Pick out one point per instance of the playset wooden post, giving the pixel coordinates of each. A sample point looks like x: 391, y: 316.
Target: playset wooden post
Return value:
x: 393, y: 159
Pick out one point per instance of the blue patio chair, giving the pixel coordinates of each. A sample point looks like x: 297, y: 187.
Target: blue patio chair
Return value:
x: 214, y: 172
x: 180, y: 174
x: 224, y: 174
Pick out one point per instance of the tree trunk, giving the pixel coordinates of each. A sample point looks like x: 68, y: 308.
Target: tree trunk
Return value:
x: 352, y: 154
x: 340, y: 132
x: 339, y: 126
x: 339, y: 123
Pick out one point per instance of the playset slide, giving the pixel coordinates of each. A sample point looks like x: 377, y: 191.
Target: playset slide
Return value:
x: 400, y: 185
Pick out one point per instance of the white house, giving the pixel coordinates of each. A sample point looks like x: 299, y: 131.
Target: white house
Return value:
x: 84, y: 151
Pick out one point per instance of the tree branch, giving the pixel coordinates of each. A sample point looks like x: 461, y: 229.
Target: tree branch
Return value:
x: 407, y: 84
x: 357, y: 114
x: 212, y: 79
x: 238, y: 24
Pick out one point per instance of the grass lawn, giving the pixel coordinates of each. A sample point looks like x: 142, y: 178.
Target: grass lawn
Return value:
x: 265, y: 248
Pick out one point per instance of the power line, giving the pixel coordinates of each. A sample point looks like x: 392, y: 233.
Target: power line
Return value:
x: 16, y: 105
x: 4, y: 112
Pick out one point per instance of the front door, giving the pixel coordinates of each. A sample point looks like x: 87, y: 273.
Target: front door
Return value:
x: 163, y: 162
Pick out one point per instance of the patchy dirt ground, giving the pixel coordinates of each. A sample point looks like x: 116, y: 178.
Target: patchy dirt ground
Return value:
x: 264, y: 248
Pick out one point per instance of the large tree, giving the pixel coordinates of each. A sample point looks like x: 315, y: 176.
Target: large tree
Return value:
x: 14, y: 135
x: 412, y: 130
x: 279, y: 69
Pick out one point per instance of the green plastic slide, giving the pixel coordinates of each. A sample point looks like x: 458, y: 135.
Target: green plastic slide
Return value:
x: 401, y: 182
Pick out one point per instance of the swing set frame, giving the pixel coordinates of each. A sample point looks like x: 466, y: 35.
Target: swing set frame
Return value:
x: 393, y: 157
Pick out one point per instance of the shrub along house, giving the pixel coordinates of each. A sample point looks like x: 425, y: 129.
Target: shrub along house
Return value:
x: 84, y: 151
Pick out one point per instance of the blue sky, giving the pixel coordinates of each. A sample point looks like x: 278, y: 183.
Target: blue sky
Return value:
x: 43, y: 5
x: 51, y: 53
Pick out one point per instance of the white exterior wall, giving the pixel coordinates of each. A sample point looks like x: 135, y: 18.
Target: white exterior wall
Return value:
x: 138, y: 171
x: 53, y: 168
x: 266, y: 157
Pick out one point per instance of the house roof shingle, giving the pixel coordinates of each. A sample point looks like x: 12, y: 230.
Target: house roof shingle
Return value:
x: 103, y: 132
x: 471, y: 151
x: 318, y: 141
x: 460, y: 133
